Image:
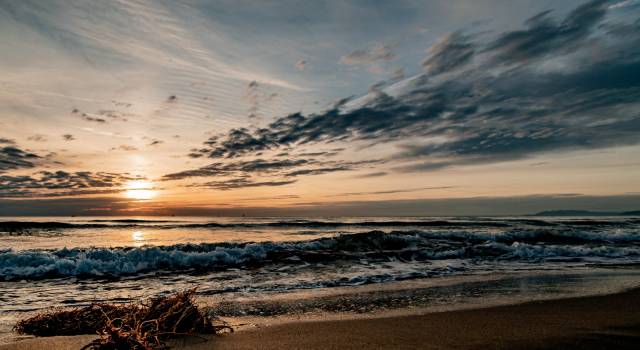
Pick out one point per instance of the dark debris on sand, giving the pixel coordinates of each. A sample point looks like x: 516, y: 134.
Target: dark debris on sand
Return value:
x: 144, y: 325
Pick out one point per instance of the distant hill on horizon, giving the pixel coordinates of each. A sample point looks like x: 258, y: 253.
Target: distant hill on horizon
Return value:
x: 586, y: 213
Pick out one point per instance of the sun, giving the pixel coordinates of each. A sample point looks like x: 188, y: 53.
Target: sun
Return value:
x: 140, y: 190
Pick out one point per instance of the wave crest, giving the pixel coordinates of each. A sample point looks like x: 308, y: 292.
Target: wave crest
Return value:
x: 372, y: 246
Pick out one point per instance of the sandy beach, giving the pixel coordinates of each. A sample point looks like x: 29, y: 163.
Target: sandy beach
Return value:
x: 596, y: 322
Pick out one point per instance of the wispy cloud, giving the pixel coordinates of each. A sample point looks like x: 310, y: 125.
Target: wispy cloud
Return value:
x: 155, y: 142
x: 301, y: 64
x: 37, y: 138
x: 236, y: 183
x: 452, y: 51
x: 280, y: 197
x: 375, y: 53
x: 126, y: 148
x: 405, y: 190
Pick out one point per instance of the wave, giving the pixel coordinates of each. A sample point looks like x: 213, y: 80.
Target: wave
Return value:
x: 373, y: 246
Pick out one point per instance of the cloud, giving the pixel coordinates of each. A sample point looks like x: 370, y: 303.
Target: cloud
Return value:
x: 571, y: 85
x: 376, y: 174
x: 280, y: 197
x: 87, y: 117
x: 271, y: 168
x: 15, y: 193
x: 37, y: 138
x: 319, y: 153
x: 62, y: 183
x: 301, y: 64
x: 242, y: 167
x: 260, y: 172
x: 253, y: 97
x: 407, y: 190
x: 63, y: 179
x: 333, y: 166
x: 451, y: 52
x: 121, y: 104
x: 319, y: 171
x: 114, y: 115
x: 377, y: 87
x: 398, y: 74
x: 256, y: 97
x: 12, y: 157
x: 236, y: 183
x: 375, y: 53
x: 103, y: 115
x: 543, y: 36
x: 126, y: 148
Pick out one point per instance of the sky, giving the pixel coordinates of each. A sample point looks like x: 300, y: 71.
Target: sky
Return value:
x: 194, y: 107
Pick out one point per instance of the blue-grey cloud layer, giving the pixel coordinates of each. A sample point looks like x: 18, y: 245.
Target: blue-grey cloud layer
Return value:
x: 555, y: 85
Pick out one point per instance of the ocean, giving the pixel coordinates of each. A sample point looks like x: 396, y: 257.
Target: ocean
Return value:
x: 72, y: 261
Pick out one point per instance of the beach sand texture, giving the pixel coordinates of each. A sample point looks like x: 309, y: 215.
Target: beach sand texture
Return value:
x: 597, y: 322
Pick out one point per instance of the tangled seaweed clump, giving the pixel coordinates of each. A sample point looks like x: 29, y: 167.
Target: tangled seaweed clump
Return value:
x: 144, y: 325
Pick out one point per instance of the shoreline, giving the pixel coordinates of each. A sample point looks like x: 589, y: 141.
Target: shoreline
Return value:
x: 611, y: 321
x: 416, y: 297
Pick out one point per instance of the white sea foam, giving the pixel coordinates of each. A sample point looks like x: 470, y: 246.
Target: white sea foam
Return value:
x: 421, y: 246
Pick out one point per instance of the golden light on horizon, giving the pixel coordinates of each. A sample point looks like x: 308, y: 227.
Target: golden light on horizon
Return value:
x: 140, y: 190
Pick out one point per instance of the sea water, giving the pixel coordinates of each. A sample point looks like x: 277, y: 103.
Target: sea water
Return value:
x: 69, y: 261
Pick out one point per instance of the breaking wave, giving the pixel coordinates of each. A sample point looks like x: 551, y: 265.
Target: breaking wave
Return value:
x: 373, y: 246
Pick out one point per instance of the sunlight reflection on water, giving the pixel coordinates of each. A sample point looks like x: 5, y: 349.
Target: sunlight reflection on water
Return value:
x: 138, y: 238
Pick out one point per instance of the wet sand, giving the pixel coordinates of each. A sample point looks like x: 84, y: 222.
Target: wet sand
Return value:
x: 597, y: 322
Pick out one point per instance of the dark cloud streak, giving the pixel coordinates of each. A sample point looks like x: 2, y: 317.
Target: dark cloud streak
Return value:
x: 12, y: 157
x: 406, y: 190
x: 62, y: 183
x: 237, y: 183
